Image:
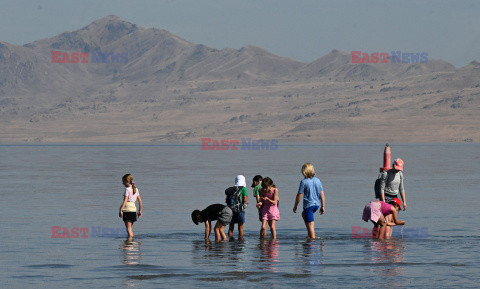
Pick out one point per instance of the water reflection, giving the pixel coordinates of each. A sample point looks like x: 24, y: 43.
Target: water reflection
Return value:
x: 389, y: 255
x: 310, y: 253
x: 132, y: 255
x: 268, y: 255
x: 228, y: 252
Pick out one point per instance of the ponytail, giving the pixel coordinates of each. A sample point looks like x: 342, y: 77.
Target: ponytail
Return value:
x: 134, y: 187
x: 129, y: 178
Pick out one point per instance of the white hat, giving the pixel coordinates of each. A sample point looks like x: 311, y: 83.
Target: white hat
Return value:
x: 240, y: 181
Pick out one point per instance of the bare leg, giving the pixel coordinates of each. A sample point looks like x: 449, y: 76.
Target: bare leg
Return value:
x: 222, y: 233
x: 383, y: 228
x: 389, y: 229
x: 273, y: 230
x: 382, y: 231
x: 219, y: 233
x: 240, y: 231
x: 231, y: 227
x: 310, y: 227
x: 375, y: 230
x: 263, y: 229
x: 129, y: 227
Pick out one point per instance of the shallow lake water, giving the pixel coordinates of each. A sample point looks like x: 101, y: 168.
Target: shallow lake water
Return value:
x: 79, y: 186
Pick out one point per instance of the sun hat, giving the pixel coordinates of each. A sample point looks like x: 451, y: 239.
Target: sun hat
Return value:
x: 240, y: 181
x: 398, y: 164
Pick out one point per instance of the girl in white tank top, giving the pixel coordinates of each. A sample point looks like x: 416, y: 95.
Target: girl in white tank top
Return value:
x: 128, y: 210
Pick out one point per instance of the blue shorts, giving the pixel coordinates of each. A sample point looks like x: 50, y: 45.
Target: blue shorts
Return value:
x: 238, y: 218
x: 308, y: 213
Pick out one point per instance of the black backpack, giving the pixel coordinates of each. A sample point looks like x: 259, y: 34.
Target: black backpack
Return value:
x: 234, y: 200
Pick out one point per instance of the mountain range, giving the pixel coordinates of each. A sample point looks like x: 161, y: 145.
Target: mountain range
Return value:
x: 147, y: 85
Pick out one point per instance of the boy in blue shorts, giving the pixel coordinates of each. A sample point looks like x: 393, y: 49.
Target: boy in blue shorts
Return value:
x: 312, y: 190
x: 236, y: 199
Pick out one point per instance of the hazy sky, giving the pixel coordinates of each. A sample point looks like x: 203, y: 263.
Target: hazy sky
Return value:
x: 303, y: 30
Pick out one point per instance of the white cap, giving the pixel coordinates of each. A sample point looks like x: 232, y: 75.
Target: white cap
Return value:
x: 240, y: 181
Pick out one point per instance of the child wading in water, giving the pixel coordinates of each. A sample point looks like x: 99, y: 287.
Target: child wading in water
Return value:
x: 257, y: 187
x: 128, y: 210
x: 221, y: 213
x: 313, y: 197
x: 269, y: 209
x: 378, y: 211
x: 236, y: 200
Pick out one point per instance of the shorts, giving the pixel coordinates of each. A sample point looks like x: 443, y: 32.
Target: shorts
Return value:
x: 389, y: 198
x: 238, y: 218
x: 309, y: 212
x: 372, y: 211
x: 225, y: 216
x: 129, y: 216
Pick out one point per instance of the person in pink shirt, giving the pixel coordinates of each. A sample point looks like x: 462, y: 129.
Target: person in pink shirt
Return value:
x: 269, y: 208
x: 128, y: 210
x: 377, y: 212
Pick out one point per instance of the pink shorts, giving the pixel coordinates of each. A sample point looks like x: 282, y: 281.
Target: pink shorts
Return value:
x: 372, y: 211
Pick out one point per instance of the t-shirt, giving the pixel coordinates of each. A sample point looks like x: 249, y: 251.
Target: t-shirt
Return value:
x: 391, y: 183
x: 131, y: 196
x: 310, y: 188
x: 243, y: 193
x: 212, y: 212
x: 257, y: 189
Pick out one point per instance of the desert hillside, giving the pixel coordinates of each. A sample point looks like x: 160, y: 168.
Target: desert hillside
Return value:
x: 148, y: 85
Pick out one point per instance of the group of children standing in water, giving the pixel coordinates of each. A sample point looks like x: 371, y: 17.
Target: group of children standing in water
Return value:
x: 266, y: 195
x: 382, y: 213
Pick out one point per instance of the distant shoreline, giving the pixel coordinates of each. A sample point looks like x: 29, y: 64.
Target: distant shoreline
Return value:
x: 198, y: 144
